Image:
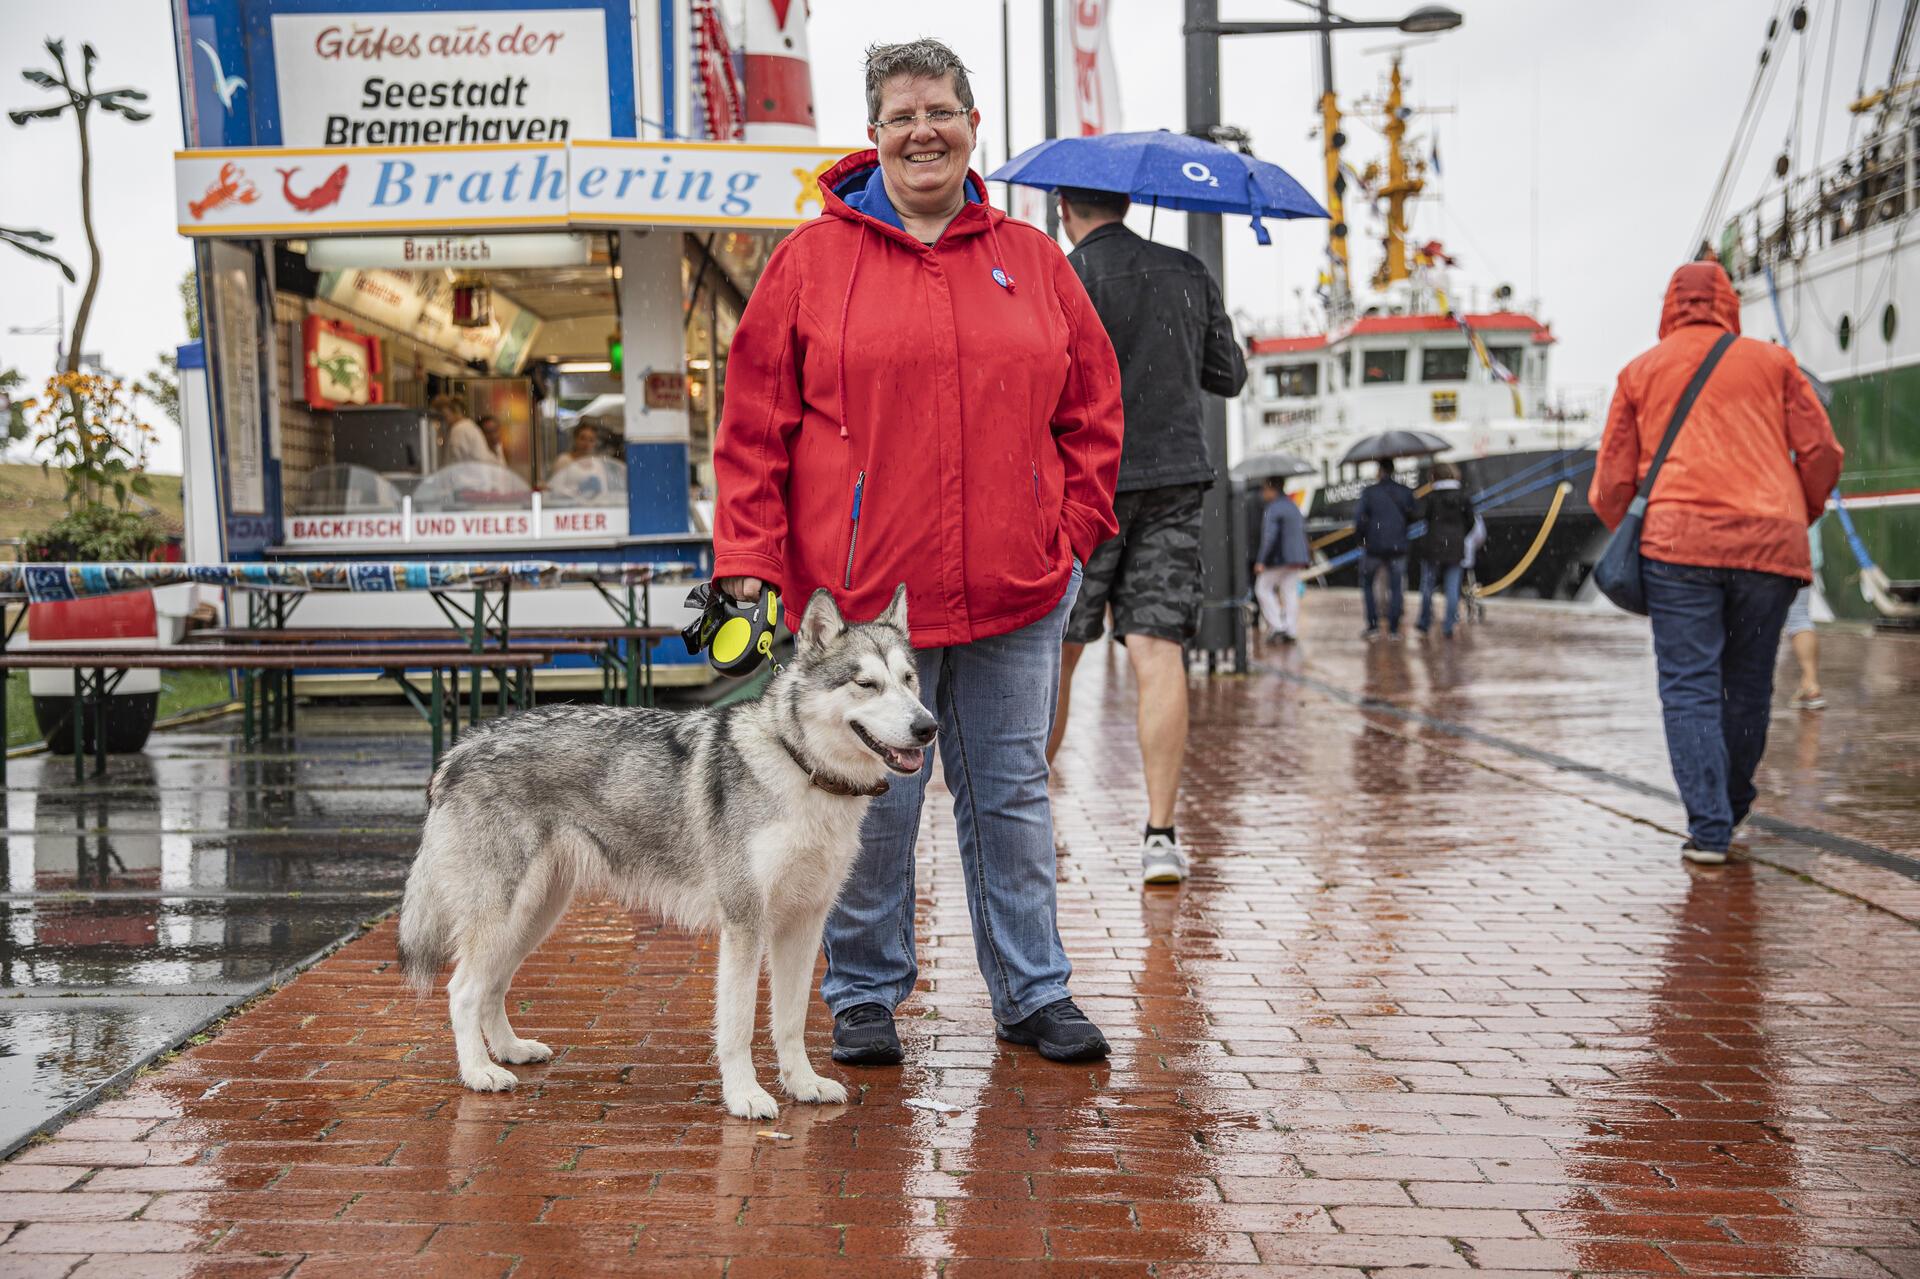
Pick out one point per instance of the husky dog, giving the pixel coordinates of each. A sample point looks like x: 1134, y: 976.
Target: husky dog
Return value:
x: 743, y: 820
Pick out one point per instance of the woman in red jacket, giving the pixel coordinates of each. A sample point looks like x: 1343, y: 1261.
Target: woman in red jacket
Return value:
x: 920, y: 391
x: 1725, y: 537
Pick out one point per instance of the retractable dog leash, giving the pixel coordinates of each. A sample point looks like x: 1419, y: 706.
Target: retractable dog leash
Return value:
x: 736, y: 636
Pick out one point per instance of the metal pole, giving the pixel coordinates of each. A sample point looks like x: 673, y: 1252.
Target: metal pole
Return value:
x: 1050, y: 104
x: 1222, y: 579
x: 1006, y: 90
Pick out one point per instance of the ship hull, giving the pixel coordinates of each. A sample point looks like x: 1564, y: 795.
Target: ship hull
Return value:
x: 1872, y: 282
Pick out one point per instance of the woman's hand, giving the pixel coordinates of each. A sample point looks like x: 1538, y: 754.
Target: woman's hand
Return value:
x: 744, y: 589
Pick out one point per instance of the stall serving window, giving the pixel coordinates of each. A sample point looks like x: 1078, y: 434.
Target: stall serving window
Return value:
x: 433, y: 393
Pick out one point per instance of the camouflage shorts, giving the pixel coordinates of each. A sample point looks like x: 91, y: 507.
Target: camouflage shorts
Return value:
x: 1149, y: 573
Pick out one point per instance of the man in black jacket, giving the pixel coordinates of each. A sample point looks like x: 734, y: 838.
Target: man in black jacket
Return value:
x: 1170, y: 330
x: 1381, y: 521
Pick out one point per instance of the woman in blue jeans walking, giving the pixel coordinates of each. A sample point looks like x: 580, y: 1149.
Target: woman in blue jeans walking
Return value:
x: 1725, y: 538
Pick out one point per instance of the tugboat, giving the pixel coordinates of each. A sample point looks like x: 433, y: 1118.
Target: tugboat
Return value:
x: 1407, y: 355
x: 1827, y: 263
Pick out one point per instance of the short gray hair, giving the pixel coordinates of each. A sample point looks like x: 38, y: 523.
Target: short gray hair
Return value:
x: 925, y: 57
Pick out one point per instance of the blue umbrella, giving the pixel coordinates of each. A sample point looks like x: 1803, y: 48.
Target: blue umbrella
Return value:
x: 1173, y: 170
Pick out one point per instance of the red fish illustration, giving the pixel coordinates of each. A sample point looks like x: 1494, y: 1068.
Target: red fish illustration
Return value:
x: 320, y: 197
x: 231, y: 187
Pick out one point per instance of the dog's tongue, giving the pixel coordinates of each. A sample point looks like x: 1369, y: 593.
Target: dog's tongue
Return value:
x: 907, y: 761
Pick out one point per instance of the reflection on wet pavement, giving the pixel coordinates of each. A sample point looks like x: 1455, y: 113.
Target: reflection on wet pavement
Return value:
x: 143, y: 904
x: 1421, y: 1007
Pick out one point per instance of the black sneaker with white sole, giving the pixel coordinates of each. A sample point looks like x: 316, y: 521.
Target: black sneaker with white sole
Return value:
x: 1060, y: 1031
x: 863, y: 1035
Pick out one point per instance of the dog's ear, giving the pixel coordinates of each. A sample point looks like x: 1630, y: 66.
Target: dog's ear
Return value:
x: 822, y: 624
x: 895, y: 614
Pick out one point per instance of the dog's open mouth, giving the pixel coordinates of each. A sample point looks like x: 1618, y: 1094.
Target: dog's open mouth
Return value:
x: 905, y: 760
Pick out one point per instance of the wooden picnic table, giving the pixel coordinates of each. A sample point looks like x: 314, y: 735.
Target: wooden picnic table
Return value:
x: 97, y: 672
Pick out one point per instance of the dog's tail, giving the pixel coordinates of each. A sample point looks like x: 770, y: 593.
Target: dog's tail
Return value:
x: 426, y: 933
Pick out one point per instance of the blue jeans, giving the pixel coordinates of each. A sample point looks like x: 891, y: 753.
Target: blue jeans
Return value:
x: 1449, y: 576
x: 1396, y: 569
x: 1716, y: 633
x: 994, y: 699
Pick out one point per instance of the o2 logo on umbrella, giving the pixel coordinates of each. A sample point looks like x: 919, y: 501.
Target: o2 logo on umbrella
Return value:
x: 1194, y: 171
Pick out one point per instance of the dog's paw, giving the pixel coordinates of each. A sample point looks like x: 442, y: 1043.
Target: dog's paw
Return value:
x: 488, y: 1078
x: 525, y: 1050
x: 815, y: 1088
x: 751, y: 1102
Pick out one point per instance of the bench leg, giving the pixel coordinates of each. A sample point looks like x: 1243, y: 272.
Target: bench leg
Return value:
x: 454, y: 673
x: 289, y: 701
x: 439, y: 711
x: 100, y: 724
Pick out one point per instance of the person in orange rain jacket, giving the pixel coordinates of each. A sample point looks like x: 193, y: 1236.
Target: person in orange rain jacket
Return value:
x: 1725, y: 537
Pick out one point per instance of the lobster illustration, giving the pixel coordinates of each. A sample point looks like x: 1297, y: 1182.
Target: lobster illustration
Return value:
x: 231, y: 187
x: 320, y: 197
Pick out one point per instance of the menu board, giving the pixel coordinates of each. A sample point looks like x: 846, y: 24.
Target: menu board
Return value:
x: 237, y: 353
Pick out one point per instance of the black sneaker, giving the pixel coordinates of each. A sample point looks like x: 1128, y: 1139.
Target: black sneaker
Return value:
x: 863, y: 1035
x: 1060, y: 1031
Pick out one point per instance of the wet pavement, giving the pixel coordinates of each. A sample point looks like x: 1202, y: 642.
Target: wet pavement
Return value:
x: 142, y: 905
x: 1439, y: 996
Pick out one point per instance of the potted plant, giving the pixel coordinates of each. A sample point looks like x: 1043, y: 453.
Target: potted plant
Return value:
x: 86, y: 427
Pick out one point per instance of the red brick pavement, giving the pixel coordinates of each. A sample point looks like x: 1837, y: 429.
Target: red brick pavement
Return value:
x: 1410, y: 1014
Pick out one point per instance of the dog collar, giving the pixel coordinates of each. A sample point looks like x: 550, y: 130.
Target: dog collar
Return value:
x: 827, y: 781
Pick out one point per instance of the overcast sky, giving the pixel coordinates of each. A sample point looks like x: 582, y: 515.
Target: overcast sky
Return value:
x: 1616, y: 116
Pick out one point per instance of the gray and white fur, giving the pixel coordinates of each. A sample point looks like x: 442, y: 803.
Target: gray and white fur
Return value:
x: 705, y: 817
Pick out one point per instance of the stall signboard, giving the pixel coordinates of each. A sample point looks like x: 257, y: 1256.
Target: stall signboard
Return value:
x: 347, y: 73
x: 458, y: 252
x: 391, y: 531
x: 590, y: 183
x: 440, y: 77
x: 248, y: 191
x: 420, y: 305
x: 237, y: 360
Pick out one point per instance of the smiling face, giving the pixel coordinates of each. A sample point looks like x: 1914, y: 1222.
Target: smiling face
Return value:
x: 859, y: 685
x: 925, y: 166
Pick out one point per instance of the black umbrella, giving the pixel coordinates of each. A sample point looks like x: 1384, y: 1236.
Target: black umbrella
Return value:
x: 1391, y: 444
x: 1278, y: 466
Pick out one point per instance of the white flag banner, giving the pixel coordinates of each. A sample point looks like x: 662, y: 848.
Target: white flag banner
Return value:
x: 1089, y: 79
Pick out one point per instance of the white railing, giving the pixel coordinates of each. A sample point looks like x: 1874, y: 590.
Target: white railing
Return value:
x: 1878, y: 183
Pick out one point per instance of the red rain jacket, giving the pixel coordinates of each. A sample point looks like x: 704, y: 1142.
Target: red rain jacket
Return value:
x: 1752, y: 465
x: 895, y: 414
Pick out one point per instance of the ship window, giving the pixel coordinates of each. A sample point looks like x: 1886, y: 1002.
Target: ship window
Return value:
x: 1889, y: 321
x: 1846, y: 332
x: 1293, y: 381
x: 1443, y: 364
x: 1510, y: 358
x: 1383, y: 366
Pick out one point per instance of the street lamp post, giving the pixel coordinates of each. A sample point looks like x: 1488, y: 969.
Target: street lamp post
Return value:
x: 1223, y: 570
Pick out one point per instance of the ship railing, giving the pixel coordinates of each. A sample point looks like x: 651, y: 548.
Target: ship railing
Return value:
x: 1875, y: 184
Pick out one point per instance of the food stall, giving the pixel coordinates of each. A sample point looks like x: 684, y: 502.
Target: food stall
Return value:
x: 469, y: 273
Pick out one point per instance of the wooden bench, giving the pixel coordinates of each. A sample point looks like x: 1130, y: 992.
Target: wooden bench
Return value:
x: 633, y: 668
x: 99, y: 671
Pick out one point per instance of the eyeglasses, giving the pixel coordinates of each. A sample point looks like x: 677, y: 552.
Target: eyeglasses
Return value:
x: 937, y: 119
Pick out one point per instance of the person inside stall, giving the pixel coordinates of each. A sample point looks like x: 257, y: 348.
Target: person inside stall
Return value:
x: 490, y: 430
x: 461, y: 438
x: 586, y: 446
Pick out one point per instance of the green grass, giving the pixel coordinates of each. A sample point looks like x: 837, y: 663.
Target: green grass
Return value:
x: 180, y: 691
x: 31, y: 499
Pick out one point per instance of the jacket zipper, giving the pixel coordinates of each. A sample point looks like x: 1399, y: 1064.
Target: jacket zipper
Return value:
x: 853, y: 537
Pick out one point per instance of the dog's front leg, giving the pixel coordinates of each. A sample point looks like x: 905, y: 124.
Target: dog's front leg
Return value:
x: 735, y: 986
x: 796, y: 944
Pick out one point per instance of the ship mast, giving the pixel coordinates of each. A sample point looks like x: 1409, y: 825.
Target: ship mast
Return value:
x: 1400, y: 186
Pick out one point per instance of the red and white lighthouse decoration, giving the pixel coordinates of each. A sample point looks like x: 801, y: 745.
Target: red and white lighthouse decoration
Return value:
x: 779, y: 78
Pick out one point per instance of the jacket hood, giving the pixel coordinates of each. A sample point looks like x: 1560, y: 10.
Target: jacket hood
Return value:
x: 1700, y: 293
x: 842, y: 188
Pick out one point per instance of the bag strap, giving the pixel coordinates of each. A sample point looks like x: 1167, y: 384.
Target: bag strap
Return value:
x: 1680, y: 411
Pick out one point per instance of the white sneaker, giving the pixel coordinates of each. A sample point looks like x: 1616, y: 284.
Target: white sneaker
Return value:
x: 1161, y: 861
x: 1702, y: 856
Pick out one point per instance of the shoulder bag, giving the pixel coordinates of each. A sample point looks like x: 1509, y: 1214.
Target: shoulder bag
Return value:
x: 1618, y: 574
